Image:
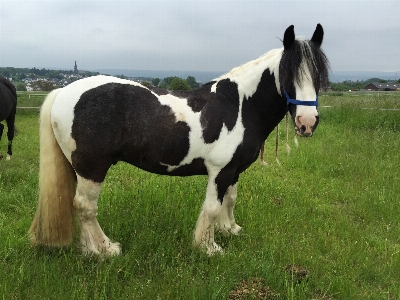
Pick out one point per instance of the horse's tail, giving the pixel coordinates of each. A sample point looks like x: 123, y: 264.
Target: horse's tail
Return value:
x: 54, y: 222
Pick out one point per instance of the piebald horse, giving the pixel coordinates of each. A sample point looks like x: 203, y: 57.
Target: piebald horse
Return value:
x: 216, y: 130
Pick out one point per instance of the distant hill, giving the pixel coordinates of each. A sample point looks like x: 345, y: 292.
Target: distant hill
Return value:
x: 340, y: 76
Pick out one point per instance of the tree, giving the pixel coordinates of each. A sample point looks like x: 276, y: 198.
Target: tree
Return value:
x: 163, y: 85
x: 43, y: 85
x: 155, y: 81
x: 169, y: 79
x: 192, y: 82
x: 6, y: 74
x: 20, y: 86
x: 179, y: 84
x: 146, y: 84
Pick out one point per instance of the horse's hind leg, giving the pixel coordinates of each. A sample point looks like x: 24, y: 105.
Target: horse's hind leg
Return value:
x: 93, y: 239
x: 226, y: 221
x: 10, y: 133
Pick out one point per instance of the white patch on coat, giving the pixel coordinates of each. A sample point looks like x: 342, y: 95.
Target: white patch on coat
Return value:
x: 178, y: 106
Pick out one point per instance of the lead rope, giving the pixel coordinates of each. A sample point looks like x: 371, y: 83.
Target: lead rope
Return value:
x: 287, y: 134
x: 276, y: 144
x: 287, y: 138
x: 288, y: 149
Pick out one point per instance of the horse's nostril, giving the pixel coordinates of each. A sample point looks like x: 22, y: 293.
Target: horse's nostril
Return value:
x: 302, y: 128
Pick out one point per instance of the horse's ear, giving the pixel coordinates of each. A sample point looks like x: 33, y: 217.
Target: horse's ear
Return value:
x: 318, y: 35
x: 288, y: 37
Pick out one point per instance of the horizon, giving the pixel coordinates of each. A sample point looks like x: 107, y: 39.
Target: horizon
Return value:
x: 335, y: 76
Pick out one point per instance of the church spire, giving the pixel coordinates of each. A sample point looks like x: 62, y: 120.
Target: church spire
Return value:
x: 75, y: 68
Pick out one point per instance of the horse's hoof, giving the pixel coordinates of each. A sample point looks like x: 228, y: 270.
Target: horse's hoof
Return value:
x: 114, y: 249
x: 214, y: 249
x: 236, y: 229
x: 8, y: 157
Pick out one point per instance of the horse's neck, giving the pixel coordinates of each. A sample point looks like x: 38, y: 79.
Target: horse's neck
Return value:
x: 259, y: 92
x: 248, y: 76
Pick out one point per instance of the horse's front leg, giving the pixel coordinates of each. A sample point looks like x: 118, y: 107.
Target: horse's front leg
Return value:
x: 11, y: 131
x: 226, y: 220
x: 9, y: 150
x: 204, y: 232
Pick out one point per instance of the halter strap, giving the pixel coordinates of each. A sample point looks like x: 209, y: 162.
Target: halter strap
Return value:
x: 300, y: 102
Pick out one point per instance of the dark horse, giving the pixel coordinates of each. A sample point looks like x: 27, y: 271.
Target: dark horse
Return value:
x: 216, y: 130
x: 8, y: 109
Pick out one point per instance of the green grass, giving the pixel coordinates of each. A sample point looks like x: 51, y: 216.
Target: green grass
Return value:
x: 330, y: 208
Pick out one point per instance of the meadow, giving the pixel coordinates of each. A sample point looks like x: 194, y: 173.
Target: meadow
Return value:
x: 324, y: 224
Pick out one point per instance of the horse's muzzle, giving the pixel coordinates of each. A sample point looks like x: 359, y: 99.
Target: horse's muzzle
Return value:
x: 305, y: 126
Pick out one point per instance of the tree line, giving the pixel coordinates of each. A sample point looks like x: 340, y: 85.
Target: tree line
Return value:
x: 173, y: 83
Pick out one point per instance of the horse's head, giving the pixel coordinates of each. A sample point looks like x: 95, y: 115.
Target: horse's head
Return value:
x: 303, y: 70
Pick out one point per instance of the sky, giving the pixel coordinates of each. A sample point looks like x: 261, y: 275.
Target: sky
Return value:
x: 202, y: 35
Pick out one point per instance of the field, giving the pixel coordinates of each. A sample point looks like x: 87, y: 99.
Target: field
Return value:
x: 325, y: 224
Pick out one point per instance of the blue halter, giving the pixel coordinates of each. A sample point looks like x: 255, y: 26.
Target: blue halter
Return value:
x: 300, y: 102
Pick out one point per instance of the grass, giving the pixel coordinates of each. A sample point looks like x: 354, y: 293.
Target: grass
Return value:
x: 330, y: 209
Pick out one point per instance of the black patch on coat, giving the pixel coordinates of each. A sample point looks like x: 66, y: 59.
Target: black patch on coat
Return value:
x: 159, y: 91
x: 122, y: 122
x: 224, y: 111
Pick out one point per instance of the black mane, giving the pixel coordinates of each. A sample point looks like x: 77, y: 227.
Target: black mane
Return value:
x: 291, y: 68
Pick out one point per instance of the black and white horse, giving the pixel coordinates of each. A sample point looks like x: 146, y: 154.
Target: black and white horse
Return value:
x: 8, y: 109
x: 216, y: 130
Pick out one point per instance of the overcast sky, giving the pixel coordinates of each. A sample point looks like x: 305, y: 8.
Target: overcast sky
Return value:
x: 197, y: 35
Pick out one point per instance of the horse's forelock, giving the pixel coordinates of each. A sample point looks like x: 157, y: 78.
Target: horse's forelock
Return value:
x: 304, y: 53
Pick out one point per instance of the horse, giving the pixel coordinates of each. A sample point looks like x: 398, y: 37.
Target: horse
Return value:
x: 215, y: 130
x: 8, y: 109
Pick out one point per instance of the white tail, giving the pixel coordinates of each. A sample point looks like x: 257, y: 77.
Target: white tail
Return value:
x: 54, y: 222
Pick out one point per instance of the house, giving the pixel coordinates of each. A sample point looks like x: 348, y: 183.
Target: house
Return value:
x: 382, y: 86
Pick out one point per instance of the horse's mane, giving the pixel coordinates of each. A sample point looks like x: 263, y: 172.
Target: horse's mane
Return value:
x: 301, y: 54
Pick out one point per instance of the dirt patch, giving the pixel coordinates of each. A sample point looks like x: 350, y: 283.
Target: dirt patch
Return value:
x: 254, y: 288
x: 298, y: 273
